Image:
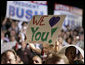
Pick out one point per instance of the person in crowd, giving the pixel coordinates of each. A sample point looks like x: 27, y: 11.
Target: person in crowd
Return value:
x: 35, y: 53
x: 14, y: 27
x: 51, y: 48
x: 75, y: 32
x: 55, y: 59
x: 81, y: 41
x: 79, y: 58
x: 78, y: 62
x: 24, y: 27
x: 3, y: 38
x: 6, y: 24
x: 64, y: 58
x: 9, y: 57
x: 75, y: 40
x: 45, y: 52
x: 81, y: 30
x: 68, y: 33
x: 22, y: 36
x: 58, y: 44
x: 65, y: 36
x: 13, y: 40
x: 71, y: 32
x: 35, y: 49
x: 69, y: 40
x: 24, y: 53
x: 67, y: 27
x: 70, y: 53
x: 19, y: 60
x: 13, y: 33
x: 62, y: 32
x: 37, y: 60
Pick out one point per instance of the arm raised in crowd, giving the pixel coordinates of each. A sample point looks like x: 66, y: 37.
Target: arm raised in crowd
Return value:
x: 34, y: 48
x: 4, y: 21
x: 10, y: 19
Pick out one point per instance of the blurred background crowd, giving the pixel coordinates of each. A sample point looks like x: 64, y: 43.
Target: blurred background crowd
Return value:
x: 68, y: 47
x: 13, y: 36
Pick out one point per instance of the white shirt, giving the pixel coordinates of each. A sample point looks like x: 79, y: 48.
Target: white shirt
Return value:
x: 37, y: 46
x: 64, y: 43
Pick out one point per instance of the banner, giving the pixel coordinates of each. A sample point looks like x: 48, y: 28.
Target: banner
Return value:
x: 73, y: 14
x: 44, y: 28
x: 39, y: 2
x: 24, y: 10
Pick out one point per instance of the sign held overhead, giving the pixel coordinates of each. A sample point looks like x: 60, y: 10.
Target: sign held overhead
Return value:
x: 44, y: 28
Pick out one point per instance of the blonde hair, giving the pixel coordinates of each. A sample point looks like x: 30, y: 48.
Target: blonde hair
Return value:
x: 53, y: 57
x: 37, y: 57
x: 64, y: 58
x: 4, y: 56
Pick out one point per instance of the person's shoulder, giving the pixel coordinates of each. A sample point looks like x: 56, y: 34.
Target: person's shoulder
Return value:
x: 19, y: 50
x: 26, y: 49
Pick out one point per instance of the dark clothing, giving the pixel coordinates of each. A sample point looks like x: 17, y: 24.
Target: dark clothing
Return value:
x: 78, y: 62
x: 25, y: 55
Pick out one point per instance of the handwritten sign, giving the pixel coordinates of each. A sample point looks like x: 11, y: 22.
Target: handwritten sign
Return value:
x: 44, y: 28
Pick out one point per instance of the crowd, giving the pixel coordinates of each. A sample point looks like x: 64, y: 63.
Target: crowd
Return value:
x: 15, y: 49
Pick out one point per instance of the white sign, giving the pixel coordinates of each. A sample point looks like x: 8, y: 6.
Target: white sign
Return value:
x: 73, y: 14
x: 24, y: 10
x: 40, y: 2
